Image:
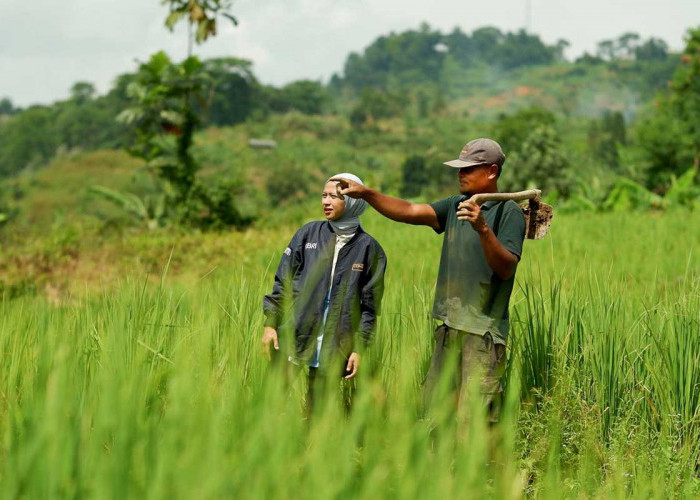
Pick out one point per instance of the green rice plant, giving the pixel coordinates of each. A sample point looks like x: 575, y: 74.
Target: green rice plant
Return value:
x: 155, y: 387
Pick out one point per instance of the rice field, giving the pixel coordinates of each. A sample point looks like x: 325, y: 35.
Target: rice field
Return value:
x: 155, y: 390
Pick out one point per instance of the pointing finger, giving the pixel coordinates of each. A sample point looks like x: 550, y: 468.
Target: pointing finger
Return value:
x: 340, y: 181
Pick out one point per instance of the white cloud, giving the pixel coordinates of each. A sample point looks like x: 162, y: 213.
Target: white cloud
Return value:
x: 46, y: 46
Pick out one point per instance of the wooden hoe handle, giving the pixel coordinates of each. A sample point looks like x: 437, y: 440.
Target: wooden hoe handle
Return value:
x: 519, y: 196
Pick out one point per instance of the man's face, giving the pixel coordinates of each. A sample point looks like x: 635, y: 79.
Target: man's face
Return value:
x: 333, y: 204
x: 476, y: 179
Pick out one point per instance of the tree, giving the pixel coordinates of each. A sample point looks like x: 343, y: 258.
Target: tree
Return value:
x: 414, y: 176
x: 376, y: 104
x: 589, y: 59
x: 166, y: 99
x: 163, y: 121
x: 27, y: 139
x: 627, y: 44
x: 540, y: 163
x: 486, y: 41
x: 82, y: 92
x: 607, y: 50
x: 232, y: 88
x: 201, y: 15
x: 6, y: 107
x: 604, y: 137
x: 685, y: 91
x: 420, y: 57
x: 306, y: 96
x: 654, y: 49
x: 666, y: 150
x: 522, y: 49
x: 559, y: 49
x: 511, y: 131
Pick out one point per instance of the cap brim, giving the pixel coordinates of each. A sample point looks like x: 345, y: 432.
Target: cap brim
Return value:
x: 461, y: 163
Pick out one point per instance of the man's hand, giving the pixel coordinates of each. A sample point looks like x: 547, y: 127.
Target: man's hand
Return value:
x: 269, y: 337
x: 470, y: 211
x: 353, y: 365
x: 349, y: 187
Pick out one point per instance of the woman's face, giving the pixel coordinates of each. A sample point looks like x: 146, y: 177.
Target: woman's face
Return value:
x: 333, y: 203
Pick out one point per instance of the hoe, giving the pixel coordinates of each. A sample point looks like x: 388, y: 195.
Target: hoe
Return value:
x: 538, y: 215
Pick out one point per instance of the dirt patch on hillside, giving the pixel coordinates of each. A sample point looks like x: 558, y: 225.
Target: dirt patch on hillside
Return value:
x: 525, y: 91
x: 497, y: 101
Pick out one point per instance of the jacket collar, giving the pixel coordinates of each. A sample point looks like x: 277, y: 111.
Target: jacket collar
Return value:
x: 328, y: 230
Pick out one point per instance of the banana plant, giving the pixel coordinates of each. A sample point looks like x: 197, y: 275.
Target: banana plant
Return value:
x: 684, y: 189
x: 627, y: 194
x: 151, y: 210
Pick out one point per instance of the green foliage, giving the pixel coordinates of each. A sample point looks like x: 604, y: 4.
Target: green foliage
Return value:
x: 303, y: 185
x: 420, y: 92
x: 6, y: 211
x: 27, y: 139
x: 163, y: 122
x: 305, y: 96
x: 200, y: 14
x: 667, y: 148
x: 511, y: 131
x: 685, y: 90
x: 628, y: 195
x: 6, y: 107
x: 376, y: 104
x: 30, y: 138
x: 540, y: 162
x: 631, y: 46
x: 151, y: 210
x: 604, y: 137
x: 403, y: 59
x: 418, y: 57
x: 535, y: 153
x: 162, y: 92
x: 414, y: 176
x: 654, y: 49
x: 231, y: 91
x: 684, y: 190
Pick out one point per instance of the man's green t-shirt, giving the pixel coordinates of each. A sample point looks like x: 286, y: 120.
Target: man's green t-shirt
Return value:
x: 469, y: 296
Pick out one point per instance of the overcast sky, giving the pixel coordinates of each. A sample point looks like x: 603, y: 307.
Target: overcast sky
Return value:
x: 47, y: 45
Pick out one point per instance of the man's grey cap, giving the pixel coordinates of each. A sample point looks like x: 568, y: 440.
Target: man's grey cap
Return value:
x: 481, y: 151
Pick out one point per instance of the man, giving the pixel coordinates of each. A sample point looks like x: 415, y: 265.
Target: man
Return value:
x: 480, y: 253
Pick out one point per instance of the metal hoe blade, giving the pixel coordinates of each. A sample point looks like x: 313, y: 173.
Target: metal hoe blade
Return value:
x: 538, y: 218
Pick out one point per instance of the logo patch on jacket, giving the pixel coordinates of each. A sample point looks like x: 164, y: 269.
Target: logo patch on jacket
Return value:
x: 311, y: 246
x: 358, y: 267
x: 287, y: 251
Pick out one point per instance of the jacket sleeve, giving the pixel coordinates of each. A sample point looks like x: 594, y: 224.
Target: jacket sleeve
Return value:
x: 372, y: 293
x: 272, y: 303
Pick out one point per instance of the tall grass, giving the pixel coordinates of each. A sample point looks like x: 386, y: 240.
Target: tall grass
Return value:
x: 159, y: 390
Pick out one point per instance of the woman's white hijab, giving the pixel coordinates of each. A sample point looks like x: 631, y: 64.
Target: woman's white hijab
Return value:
x: 350, y: 220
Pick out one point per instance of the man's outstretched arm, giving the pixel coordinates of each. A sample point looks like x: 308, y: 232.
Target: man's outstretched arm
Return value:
x: 420, y: 214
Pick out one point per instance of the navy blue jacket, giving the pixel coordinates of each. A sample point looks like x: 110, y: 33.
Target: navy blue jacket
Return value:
x: 304, y: 275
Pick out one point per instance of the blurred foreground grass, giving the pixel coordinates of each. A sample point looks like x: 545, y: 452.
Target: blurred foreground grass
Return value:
x: 142, y: 377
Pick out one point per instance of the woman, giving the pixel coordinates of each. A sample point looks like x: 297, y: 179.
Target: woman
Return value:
x: 332, y: 276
